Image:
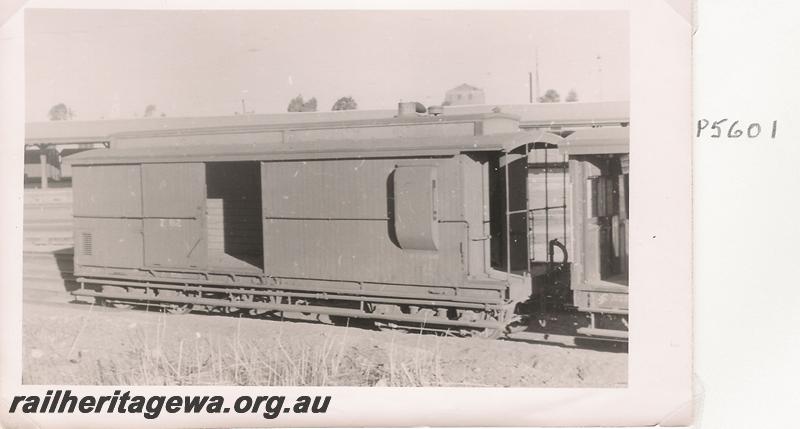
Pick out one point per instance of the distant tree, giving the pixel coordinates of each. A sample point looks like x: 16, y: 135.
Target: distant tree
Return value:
x: 345, y: 103
x: 298, y: 105
x: 150, y: 110
x: 551, y: 96
x: 310, y: 105
x: 60, y: 112
x: 572, y: 96
x: 295, y: 104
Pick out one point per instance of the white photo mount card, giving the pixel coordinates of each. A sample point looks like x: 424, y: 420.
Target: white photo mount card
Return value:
x: 288, y: 215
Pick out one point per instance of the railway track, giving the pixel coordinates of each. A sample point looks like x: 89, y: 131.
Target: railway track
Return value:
x: 47, y: 221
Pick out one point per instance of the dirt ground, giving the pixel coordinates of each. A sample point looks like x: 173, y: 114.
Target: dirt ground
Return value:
x: 89, y: 344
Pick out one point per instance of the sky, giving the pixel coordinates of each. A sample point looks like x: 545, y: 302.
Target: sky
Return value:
x: 109, y: 64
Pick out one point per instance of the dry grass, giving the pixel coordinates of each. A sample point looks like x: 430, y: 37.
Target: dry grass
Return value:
x: 95, y: 346
x: 155, y: 355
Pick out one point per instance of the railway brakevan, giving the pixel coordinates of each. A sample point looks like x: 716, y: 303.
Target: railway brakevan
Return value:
x: 461, y: 224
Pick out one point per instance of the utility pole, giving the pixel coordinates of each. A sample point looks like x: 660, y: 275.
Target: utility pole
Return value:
x: 600, y: 77
x: 537, y: 73
x: 530, y: 87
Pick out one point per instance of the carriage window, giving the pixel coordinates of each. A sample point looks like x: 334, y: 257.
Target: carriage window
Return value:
x: 416, y: 220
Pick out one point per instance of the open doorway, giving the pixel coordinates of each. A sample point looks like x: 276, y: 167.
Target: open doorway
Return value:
x: 607, y: 208
x: 605, y: 217
x: 233, y: 216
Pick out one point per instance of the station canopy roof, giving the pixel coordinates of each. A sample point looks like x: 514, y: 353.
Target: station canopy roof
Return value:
x: 537, y: 115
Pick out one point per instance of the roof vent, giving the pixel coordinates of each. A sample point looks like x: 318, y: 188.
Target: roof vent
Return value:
x: 409, y: 109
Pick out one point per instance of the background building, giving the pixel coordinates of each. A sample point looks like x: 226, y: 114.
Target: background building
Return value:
x: 464, y: 94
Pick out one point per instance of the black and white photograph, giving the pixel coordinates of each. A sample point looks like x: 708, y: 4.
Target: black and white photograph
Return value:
x: 351, y: 198
x: 292, y: 215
